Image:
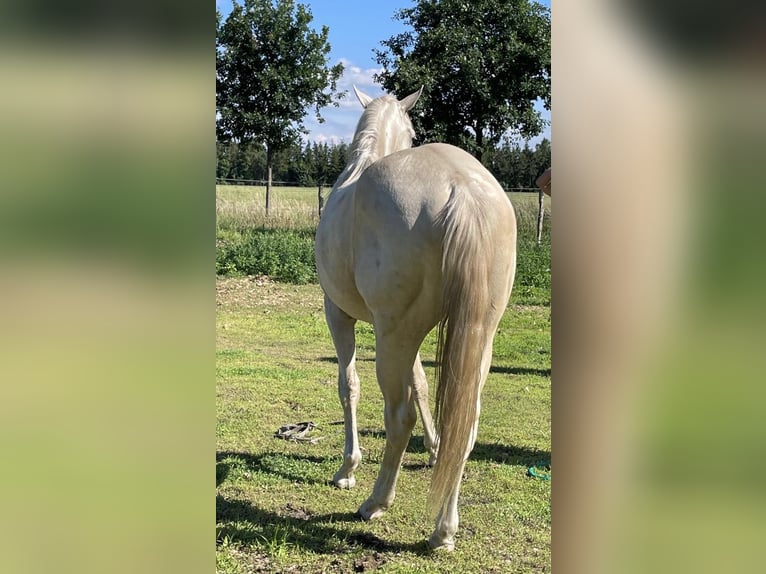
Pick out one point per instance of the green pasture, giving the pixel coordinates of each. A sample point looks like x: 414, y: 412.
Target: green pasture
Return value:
x: 275, y: 508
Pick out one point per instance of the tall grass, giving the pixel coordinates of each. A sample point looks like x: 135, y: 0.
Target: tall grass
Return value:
x: 532, y: 285
x: 246, y: 209
x: 526, y: 207
x: 280, y: 244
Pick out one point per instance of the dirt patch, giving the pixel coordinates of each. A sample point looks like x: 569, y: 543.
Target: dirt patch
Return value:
x: 292, y: 511
x: 261, y: 563
x: 369, y: 562
x: 248, y: 292
x: 262, y: 292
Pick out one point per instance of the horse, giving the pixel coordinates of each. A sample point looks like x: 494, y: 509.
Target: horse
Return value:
x: 413, y: 238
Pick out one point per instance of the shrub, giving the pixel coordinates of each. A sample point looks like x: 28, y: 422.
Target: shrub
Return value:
x: 532, y: 285
x: 284, y: 255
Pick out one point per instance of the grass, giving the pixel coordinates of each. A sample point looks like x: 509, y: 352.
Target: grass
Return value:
x: 275, y: 510
x: 283, y: 254
x: 244, y: 207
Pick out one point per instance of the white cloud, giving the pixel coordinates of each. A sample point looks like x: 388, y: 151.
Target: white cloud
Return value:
x: 362, y: 79
x: 340, y: 122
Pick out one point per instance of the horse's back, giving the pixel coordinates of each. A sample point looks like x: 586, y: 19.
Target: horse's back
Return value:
x: 423, y: 177
x: 412, y: 186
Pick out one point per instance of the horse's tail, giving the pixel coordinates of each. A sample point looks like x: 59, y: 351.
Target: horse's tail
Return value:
x: 468, y: 251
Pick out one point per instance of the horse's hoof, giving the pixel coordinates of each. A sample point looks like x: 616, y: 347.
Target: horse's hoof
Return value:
x: 371, y: 511
x: 441, y: 545
x: 344, y: 483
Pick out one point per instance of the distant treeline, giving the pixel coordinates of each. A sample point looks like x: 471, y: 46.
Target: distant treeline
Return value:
x: 314, y: 163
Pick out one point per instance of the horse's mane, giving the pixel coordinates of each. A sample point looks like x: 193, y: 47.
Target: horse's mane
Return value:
x: 364, y: 147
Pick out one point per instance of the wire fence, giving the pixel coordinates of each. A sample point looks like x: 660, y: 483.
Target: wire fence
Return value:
x: 262, y: 183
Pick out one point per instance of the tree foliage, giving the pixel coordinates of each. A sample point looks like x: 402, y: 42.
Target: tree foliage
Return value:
x: 484, y: 63
x: 515, y: 167
x: 271, y: 68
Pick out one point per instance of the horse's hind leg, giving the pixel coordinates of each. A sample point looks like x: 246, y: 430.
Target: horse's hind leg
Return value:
x: 394, y: 360
x: 342, y: 330
x: 420, y: 388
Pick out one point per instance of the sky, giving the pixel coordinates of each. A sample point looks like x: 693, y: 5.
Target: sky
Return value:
x: 356, y: 29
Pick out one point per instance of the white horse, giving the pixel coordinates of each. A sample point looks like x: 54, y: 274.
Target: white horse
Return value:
x: 411, y: 238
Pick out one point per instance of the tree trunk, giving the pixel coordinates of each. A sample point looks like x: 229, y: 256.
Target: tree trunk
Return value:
x: 321, y: 199
x: 540, y: 215
x: 269, y: 159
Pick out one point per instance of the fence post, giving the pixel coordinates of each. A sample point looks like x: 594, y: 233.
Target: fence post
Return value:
x: 543, y: 182
x: 321, y: 199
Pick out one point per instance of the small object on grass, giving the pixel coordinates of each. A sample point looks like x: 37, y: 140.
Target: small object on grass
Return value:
x: 298, y: 432
x: 537, y: 468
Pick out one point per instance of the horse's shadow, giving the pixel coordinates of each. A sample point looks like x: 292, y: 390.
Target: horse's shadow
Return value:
x: 244, y: 522
x: 508, y: 454
x: 522, y: 371
x: 266, y: 463
x: 495, y: 452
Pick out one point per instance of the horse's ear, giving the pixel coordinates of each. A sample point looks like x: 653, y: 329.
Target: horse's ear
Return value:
x: 409, y: 102
x: 363, y: 98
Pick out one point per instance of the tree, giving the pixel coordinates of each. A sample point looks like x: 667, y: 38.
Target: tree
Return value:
x: 530, y: 166
x: 223, y: 160
x: 271, y: 67
x: 483, y: 64
x: 543, y: 156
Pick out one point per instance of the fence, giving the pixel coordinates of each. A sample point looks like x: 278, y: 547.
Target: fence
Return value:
x: 290, y: 198
x: 260, y: 182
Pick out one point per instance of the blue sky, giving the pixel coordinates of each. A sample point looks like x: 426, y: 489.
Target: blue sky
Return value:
x: 356, y: 28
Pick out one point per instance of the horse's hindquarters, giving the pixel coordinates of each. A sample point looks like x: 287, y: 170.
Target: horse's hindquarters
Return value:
x: 334, y: 255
